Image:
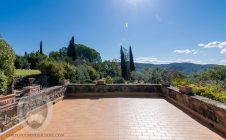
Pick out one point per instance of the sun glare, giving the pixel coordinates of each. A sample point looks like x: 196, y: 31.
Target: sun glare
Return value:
x: 135, y: 3
x: 132, y: 2
x: 126, y: 25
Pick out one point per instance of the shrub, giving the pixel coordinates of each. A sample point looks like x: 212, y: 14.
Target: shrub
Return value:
x: 7, y: 59
x: 34, y: 59
x: 220, y: 96
x: 88, y: 81
x: 197, y: 89
x: 69, y: 72
x: 53, y: 70
x: 212, y: 91
x: 21, y: 62
x: 118, y: 80
x: 81, y: 73
x: 108, y: 80
x: 178, y: 82
x: 3, y: 82
x: 92, y: 72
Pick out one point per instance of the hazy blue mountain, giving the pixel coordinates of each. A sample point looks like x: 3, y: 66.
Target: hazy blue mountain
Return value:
x: 187, y: 68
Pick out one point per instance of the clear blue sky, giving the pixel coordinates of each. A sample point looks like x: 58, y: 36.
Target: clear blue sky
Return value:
x: 159, y: 31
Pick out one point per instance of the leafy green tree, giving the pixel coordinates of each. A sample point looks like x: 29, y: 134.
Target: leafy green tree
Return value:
x: 88, y: 54
x: 7, y: 58
x: 55, y: 56
x: 156, y: 75
x: 21, y: 62
x: 124, y: 69
x: 132, y: 66
x: 60, y: 56
x: 63, y: 52
x: 137, y: 76
x: 109, y: 68
x: 35, y: 58
x: 215, y: 74
x: 41, y: 49
x: 71, y: 51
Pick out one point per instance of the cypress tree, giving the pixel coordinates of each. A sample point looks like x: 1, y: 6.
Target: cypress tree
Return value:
x: 41, y: 50
x: 25, y: 54
x: 123, y: 64
x: 71, y: 50
x: 131, y: 61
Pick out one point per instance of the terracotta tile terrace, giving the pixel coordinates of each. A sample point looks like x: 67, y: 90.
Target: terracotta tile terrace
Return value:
x: 119, y: 119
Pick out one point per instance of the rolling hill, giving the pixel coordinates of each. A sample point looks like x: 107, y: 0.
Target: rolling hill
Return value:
x: 187, y: 68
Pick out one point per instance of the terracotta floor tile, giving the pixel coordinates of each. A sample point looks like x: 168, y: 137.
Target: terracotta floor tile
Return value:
x: 120, y: 119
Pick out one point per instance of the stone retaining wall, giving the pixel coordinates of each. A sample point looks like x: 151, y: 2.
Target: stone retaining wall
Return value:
x: 209, y: 111
x: 119, y: 88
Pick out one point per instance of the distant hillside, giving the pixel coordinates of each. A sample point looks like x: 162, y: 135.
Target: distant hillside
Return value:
x: 187, y: 68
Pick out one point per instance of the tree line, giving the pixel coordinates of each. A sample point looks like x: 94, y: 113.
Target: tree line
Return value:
x: 82, y: 64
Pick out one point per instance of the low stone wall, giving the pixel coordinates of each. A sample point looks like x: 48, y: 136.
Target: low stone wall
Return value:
x: 9, y: 116
x: 112, y: 90
x: 210, y: 111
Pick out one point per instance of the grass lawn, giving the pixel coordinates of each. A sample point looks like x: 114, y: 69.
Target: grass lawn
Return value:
x: 20, y: 72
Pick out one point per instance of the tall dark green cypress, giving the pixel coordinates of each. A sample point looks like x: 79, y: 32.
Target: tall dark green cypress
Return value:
x: 131, y: 61
x: 41, y: 50
x: 123, y: 64
x: 71, y: 51
x: 25, y: 54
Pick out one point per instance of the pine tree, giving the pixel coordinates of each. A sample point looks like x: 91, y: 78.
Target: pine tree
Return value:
x: 123, y: 64
x: 131, y: 61
x: 71, y: 51
x: 41, y: 50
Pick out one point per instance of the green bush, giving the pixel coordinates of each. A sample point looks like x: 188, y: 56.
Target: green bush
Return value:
x: 53, y: 70
x: 7, y: 58
x: 178, y: 82
x: 92, y: 72
x: 81, y: 73
x: 69, y: 72
x: 108, y: 80
x: 34, y: 59
x: 197, y: 89
x: 21, y: 62
x: 88, y: 81
x: 3, y: 82
x: 118, y: 80
x: 213, y: 91
x: 221, y: 96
